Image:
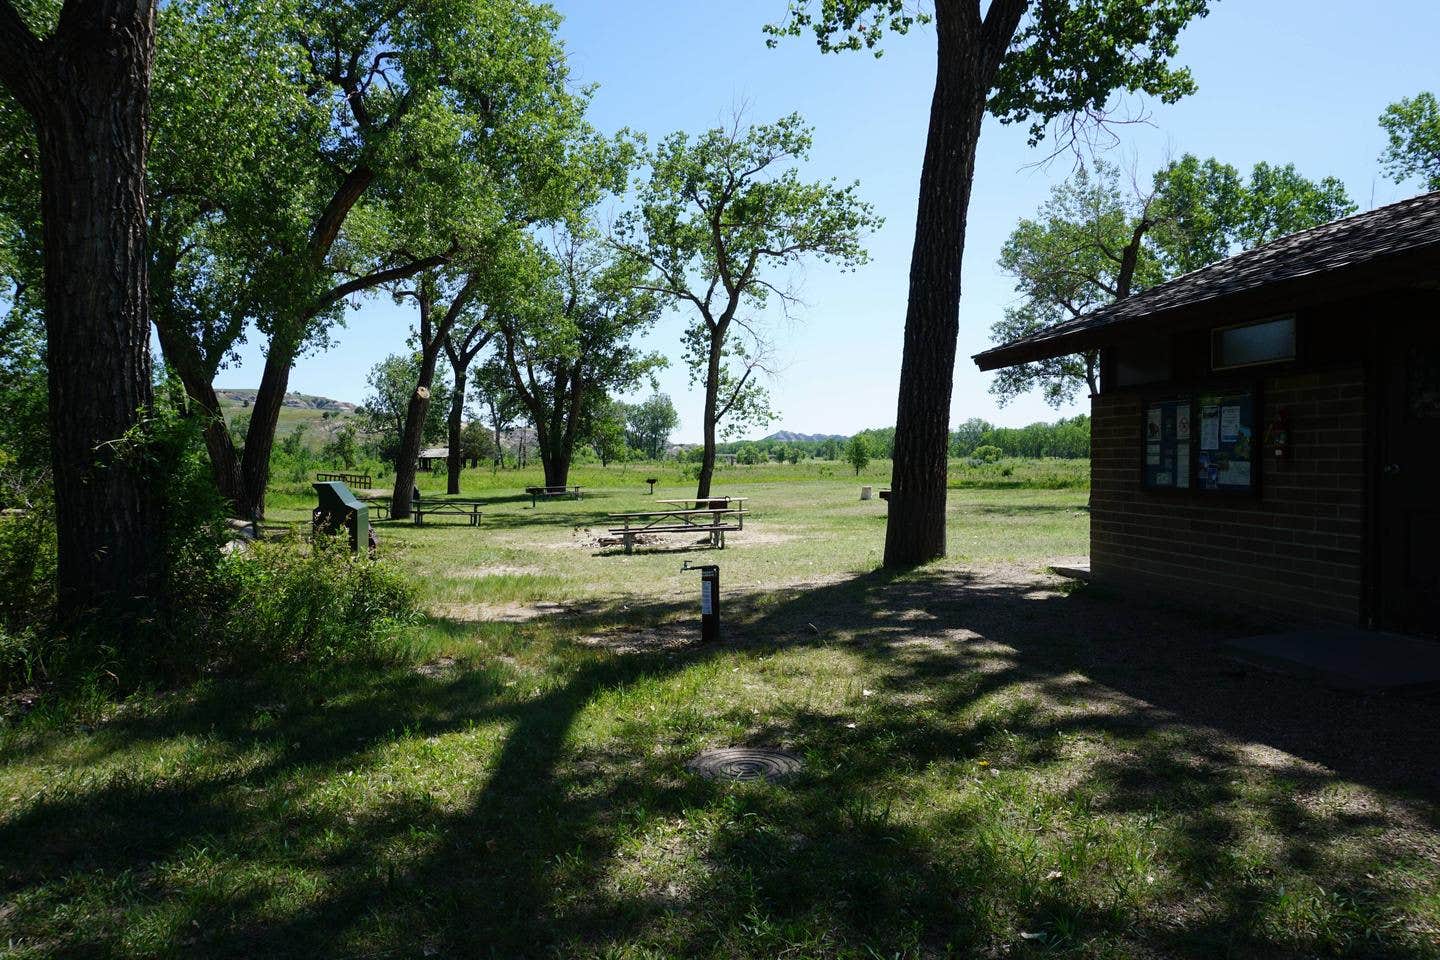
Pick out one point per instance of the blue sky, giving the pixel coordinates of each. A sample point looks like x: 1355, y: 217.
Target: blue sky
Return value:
x: 1280, y: 80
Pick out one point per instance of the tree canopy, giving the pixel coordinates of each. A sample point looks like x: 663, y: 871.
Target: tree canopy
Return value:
x: 571, y: 341
x: 1412, y: 126
x: 1098, y: 238
x: 393, y: 139
x: 719, y: 222
x: 649, y: 423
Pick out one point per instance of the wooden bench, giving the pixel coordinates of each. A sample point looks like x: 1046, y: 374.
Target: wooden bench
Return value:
x: 469, y: 509
x: 550, y: 493
x: 679, y: 521
x: 349, y: 479
x: 885, y: 495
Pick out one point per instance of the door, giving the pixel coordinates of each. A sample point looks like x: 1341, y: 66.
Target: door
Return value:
x: 1408, y: 491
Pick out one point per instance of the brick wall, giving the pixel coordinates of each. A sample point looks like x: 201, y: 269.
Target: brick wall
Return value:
x: 1297, y: 550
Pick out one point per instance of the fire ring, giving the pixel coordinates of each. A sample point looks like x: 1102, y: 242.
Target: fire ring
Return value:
x: 741, y: 764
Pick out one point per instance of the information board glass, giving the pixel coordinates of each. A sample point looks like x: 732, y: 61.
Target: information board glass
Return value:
x: 1225, y: 449
x: 1168, y: 444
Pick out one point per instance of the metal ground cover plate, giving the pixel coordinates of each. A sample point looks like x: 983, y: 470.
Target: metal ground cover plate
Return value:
x: 745, y: 763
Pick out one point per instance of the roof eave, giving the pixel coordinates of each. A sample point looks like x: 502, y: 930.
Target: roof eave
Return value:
x: 1415, y: 269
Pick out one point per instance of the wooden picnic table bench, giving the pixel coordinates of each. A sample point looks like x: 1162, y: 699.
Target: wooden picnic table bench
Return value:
x: 470, y: 509
x: 549, y: 493
x: 679, y: 521
x: 349, y: 479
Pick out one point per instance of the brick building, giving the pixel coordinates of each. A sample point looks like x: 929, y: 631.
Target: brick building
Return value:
x: 1267, y: 432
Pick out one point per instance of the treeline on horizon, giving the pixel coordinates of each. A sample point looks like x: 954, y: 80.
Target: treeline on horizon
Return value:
x: 1066, y: 439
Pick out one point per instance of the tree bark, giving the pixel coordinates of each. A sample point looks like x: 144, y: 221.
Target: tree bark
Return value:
x: 407, y: 458
x: 455, y: 463
x: 406, y: 462
x: 969, y: 52
x: 264, y: 418
x: 712, y: 400
x: 87, y: 88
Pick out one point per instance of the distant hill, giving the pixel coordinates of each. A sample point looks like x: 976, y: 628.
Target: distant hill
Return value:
x: 787, y: 436
x: 320, y: 416
x: 298, y: 401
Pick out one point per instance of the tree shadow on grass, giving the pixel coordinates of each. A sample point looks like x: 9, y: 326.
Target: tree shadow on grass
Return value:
x: 896, y: 837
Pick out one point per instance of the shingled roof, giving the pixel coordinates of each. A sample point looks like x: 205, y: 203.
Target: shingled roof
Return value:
x: 1378, y: 241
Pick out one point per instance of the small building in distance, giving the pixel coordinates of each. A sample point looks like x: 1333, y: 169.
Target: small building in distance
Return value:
x: 433, y: 458
x: 1267, y: 432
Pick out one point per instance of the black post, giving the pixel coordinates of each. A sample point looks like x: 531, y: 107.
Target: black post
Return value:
x: 709, y: 600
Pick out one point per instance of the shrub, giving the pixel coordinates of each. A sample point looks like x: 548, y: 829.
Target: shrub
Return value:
x: 320, y: 604
x: 988, y: 453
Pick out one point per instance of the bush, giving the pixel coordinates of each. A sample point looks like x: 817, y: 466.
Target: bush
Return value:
x: 321, y: 604
x: 988, y: 454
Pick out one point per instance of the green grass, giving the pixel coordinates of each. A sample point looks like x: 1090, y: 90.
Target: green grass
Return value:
x: 995, y: 765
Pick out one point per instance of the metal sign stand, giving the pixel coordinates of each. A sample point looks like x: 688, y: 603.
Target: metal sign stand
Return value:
x: 709, y: 599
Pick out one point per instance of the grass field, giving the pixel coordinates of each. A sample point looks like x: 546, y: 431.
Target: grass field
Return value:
x: 996, y: 763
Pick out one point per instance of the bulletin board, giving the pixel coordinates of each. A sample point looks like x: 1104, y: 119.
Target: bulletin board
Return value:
x: 1168, y: 444
x: 1225, y: 444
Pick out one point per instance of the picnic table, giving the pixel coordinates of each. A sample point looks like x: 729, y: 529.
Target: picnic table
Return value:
x: 469, y: 509
x: 549, y: 493
x: 709, y: 503
x: 712, y: 522
x: 379, y: 506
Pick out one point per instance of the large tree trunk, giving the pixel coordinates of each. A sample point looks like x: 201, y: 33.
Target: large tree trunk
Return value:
x: 712, y: 400
x: 915, y: 531
x: 550, y: 438
x: 456, y: 462
x: 557, y: 467
x: 407, y: 459
x: 88, y: 90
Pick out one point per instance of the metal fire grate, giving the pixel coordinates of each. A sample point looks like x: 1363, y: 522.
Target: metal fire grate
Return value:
x: 745, y: 763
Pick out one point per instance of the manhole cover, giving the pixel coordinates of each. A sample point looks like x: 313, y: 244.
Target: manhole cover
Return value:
x: 745, y: 763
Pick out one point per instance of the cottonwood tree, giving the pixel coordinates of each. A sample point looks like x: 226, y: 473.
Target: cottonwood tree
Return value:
x: 383, y: 414
x: 441, y: 299
x: 1207, y: 210
x: 495, y: 397
x: 649, y: 423
x: 1082, y: 252
x: 605, y: 430
x: 83, y: 79
x: 232, y: 155
x: 1413, y: 128
x: 720, y: 218
x: 1040, y: 61
x: 1101, y: 237
x: 509, y: 271
x: 857, y: 452
x: 476, y: 444
x: 572, y: 342
x: 433, y: 117
x: 463, y: 344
